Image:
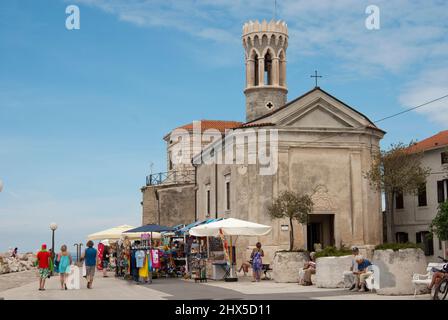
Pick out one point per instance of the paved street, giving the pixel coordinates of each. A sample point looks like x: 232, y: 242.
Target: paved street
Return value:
x: 161, y: 289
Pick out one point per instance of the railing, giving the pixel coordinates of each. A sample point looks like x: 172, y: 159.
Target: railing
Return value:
x: 170, y: 177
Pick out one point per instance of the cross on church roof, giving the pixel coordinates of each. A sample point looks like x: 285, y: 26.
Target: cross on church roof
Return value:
x: 315, y: 76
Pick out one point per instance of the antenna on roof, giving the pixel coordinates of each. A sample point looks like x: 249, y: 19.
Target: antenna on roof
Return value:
x: 275, y: 10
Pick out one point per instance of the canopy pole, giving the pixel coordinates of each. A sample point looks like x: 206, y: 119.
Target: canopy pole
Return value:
x: 150, y: 255
x: 208, y: 248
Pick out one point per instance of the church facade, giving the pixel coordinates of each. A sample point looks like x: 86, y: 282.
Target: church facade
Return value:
x: 314, y: 144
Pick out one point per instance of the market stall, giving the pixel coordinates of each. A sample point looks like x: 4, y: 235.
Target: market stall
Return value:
x: 196, y: 250
x: 229, y: 230
x: 112, y: 234
x: 142, y: 254
x: 108, y: 240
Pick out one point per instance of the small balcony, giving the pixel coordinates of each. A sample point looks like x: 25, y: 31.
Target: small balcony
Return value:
x: 171, y: 177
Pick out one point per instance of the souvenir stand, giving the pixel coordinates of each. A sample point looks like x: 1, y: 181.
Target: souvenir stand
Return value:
x: 110, y: 237
x: 196, y: 251
x: 147, y: 257
x: 174, y: 259
x: 229, y: 230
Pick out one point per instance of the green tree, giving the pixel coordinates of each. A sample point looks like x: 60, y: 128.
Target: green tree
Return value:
x: 439, y: 225
x: 394, y: 171
x: 293, y: 207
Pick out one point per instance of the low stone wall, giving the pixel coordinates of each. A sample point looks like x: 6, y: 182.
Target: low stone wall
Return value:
x: 21, y: 263
x: 397, y: 269
x: 286, y: 266
x: 329, y: 271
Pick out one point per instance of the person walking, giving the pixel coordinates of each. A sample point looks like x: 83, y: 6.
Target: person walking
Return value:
x: 64, y: 261
x: 43, y: 260
x: 90, y: 259
x: 257, y: 262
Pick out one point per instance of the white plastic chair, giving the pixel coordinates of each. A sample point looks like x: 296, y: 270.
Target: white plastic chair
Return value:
x: 373, y: 282
x: 424, y: 279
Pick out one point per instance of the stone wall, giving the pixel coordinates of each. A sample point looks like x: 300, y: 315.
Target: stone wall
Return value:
x: 397, y: 268
x: 258, y: 97
x: 175, y: 202
x: 21, y: 263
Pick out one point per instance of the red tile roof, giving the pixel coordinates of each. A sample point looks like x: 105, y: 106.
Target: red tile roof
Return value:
x: 434, y: 142
x: 220, y: 125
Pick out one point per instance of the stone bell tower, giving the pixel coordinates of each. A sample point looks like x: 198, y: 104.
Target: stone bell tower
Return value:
x: 265, y: 46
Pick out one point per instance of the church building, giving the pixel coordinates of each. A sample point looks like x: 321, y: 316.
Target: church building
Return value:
x: 315, y: 145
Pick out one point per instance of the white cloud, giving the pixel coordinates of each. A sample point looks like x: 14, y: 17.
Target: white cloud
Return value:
x: 410, y: 31
x: 429, y: 84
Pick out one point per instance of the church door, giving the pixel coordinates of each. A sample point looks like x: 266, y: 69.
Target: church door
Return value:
x: 320, y: 230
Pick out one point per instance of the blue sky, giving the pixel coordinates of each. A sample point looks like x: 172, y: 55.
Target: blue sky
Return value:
x: 83, y: 112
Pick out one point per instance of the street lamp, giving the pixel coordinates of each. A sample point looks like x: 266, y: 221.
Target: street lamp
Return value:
x: 80, y: 250
x: 53, y: 227
x: 77, y: 251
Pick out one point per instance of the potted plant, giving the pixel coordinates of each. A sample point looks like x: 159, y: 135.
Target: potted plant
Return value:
x: 331, y: 262
x: 294, y: 207
x: 397, y: 263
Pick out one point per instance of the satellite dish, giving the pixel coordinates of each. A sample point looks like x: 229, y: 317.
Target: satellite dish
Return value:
x: 1, y: 185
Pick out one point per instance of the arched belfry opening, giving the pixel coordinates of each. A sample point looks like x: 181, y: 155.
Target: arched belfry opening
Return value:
x: 265, y: 44
x: 268, y: 69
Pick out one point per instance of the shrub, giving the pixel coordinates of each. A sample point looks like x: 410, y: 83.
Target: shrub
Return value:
x: 333, y: 252
x: 295, y: 250
x: 398, y: 246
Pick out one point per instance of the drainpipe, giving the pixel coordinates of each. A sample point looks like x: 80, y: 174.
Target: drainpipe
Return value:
x: 216, y: 191
x: 195, y: 188
x: 158, y: 205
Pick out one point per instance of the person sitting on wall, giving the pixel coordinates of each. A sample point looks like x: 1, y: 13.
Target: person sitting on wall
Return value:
x: 308, y: 270
x: 349, y: 276
x: 362, y: 274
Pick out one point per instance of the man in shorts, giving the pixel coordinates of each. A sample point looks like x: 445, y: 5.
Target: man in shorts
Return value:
x: 43, y: 259
x: 90, y: 258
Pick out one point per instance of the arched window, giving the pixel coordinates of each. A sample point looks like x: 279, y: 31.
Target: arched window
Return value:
x: 255, y: 70
x: 268, y: 69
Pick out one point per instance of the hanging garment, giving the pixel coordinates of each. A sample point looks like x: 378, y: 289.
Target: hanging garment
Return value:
x: 100, y: 256
x: 155, y: 259
x: 140, y: 258
x: 143, y: 272
x: 148, y: 258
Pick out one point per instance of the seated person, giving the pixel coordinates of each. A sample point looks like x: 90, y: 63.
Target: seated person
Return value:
x: 309, y: 269
x: 349, y: 276
x: 438, y: 275
x: 362, y: 274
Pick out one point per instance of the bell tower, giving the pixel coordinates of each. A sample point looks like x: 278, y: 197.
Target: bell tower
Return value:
x: 265, y: 46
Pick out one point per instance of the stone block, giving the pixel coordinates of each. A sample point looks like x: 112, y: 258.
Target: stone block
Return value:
x: 286, y: 265
x: 397, y: 269
x: 330, y: 270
